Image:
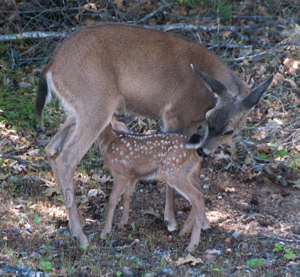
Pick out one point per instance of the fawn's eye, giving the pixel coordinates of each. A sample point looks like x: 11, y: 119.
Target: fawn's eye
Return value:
x: 228, y: 133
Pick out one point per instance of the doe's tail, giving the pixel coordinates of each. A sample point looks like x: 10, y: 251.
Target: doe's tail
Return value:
x: 41, y: 97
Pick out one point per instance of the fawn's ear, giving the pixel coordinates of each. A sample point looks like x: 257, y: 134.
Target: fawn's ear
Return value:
x: 194, y: 142
x: 119, y: 126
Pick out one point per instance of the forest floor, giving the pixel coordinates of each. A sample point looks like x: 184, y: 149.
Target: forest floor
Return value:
x: 251, y: 184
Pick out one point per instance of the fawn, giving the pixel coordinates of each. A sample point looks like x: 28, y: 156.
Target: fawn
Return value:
x: 163, y: 156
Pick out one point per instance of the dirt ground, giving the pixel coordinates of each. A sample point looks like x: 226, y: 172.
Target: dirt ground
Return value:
x: 251, y: 185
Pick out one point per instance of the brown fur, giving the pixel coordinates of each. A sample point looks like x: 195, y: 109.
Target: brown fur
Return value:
x: 101, y: 70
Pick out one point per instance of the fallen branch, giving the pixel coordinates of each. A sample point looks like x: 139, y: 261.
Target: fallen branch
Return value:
x: 35, y: 35
x: 24, y: 162
x: 190, y: 27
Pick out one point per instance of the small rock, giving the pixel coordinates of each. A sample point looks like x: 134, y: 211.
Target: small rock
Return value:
x: 33, y: 152
x: 219, y: 197
x: 168, y: 271
x: 42, y: 229
x: 226, y: 272
x: 36, y: 255
x: 127, y: 271
x: 15, y: 230
x: 60, y: 242
x: 236, y: 234
x: 25, y: 85
x: 245, y: 245
x: 149, y: 275
x: 228, y: 240
x: 206, y: 187
x: 93, y: 193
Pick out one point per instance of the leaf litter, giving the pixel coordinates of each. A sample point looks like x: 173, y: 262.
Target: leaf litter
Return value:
x: 252, y: 203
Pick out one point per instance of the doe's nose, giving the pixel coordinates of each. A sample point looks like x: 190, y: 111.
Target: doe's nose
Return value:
x: 201, y: 153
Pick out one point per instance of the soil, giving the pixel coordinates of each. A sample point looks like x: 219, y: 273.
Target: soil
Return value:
x: 251, y: 185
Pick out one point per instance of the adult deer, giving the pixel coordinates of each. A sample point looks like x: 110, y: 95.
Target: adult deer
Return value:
x: 131, y: 157
x: 102, y: 70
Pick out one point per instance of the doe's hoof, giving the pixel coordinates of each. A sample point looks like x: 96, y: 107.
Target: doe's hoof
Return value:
x: 209, y: 231
x: 175, y: 233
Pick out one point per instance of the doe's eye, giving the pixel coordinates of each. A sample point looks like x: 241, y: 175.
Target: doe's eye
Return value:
x: 228, y: 133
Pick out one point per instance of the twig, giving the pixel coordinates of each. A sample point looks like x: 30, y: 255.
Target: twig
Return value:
x: 148, y: 16
x: 134, y: 7
x: 283, y: 43
x: 24, y: 162
x: 278, y: 238
x: 247, y: 149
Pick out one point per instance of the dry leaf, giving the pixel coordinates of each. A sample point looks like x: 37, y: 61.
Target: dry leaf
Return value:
x: 95, y: 192
x: 33, y: 152
x: 274, y: 123
x: 50, y: 191
x: 167, y: 258
x: 3, y: 176
x: 222, y: 156
x: 248, y: 160
x: 295, y: 37
x: 228, y: 240
x: 226, y: 35
x: 228, y: 189
x: 118, y: 3
x: 263, y: 11
x: 293, y: 66
x: 189, y: 258
x: 210, y: 258
x: 297, y: 184
x: 277, y: 80
x: 152, y: 212
x: 292, y: 83
x: 103, y: 179
x: 213, y: 251
x: 85, y: 206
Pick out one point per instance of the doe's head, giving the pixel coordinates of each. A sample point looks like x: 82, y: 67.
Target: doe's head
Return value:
x: 227, y: 117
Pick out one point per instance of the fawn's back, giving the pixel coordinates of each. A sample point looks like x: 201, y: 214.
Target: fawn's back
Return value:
x: 156, y: 156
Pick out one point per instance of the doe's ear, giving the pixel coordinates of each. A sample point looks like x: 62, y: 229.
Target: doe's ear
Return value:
x: 194, y: 142
x: 253, y: 98
x: 119, y: 126
x: 211, y: 83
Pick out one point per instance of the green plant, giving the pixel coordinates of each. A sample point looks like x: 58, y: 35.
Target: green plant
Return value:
x: 278, y: 247
x: 265, y: 179
x: 289, y: 254
x: 45, y: 265
x: 107, y: 240
x: 254, y: 262
x: 281, y: 153
x: 36, y: 220
x: 119, y: 273
x: 84, y: 247
x: 261, y: 156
